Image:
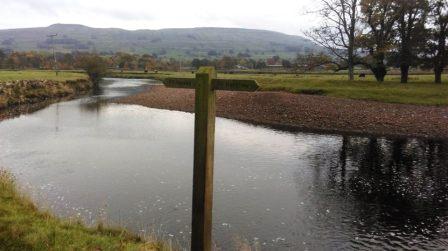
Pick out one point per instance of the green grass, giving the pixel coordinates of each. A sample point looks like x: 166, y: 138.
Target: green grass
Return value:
x: 40, y: 75
x: 420, y: 91
x: 23, y: 227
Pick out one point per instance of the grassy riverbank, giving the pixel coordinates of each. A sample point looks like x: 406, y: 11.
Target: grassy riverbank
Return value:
x: 23, y: 227
x: 420, y: 91
x: 40, y: 75
x: 30, y: 87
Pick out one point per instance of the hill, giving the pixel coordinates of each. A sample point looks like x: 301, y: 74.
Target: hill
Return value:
x: 186, y: 43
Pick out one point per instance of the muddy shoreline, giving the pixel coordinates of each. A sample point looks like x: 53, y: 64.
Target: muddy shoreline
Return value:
x: 307, y: 113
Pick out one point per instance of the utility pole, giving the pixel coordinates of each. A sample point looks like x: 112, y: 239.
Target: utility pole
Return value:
x: 55, y: 64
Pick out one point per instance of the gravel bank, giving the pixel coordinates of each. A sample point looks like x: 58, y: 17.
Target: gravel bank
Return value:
x: 310, y: 113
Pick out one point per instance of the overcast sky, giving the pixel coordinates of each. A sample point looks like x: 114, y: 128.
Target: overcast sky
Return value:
x: 288, y: 16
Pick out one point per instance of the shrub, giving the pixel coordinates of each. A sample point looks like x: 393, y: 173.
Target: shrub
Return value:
x: 95, y: 66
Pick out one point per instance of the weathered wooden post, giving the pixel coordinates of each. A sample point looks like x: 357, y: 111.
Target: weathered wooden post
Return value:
x: 206, y: 84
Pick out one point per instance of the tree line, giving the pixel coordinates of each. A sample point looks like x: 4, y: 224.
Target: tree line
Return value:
x: 378, y: 34
x: 125, y: 61
x: 75, y: 60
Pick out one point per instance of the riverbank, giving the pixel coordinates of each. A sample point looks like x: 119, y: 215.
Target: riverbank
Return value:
x: 23, y: 227
x: 300, y: 112
x: 25, y: 92
x: 421, y: 89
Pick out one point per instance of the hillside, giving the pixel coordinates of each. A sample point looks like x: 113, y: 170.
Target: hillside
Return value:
x: 187, y: 43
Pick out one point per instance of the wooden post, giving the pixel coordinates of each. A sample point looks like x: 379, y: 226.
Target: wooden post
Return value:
x: 205, y: 84
x: 204, y: 141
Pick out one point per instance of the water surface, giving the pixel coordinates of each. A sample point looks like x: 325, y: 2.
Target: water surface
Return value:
x: 274, y: 190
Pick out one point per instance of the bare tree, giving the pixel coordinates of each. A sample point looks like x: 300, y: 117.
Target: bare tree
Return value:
x: 379, y: 17
x: 438, y: 51
x: 339, y: 31
x: 412, y: 16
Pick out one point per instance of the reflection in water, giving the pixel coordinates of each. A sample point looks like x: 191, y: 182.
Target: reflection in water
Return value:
x: 273, y: 190
x: 94, y: 105
x: 399, y: 187
x: 98, y: 90
x: 108, y: 90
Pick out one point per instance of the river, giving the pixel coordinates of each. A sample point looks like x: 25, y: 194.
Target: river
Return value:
x: 274, y: 190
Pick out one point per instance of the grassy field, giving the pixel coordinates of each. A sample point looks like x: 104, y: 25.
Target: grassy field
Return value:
x: 421, y: 90
x: 23, y: 227
x: 40, y: 75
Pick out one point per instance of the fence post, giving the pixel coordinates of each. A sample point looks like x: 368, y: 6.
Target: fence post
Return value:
x: 204, y: 140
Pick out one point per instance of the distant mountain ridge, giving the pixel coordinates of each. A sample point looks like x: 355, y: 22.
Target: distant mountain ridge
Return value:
x: 187, y: 43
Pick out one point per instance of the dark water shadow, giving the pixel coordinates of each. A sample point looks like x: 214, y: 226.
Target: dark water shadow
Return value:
x: 398, y: 187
